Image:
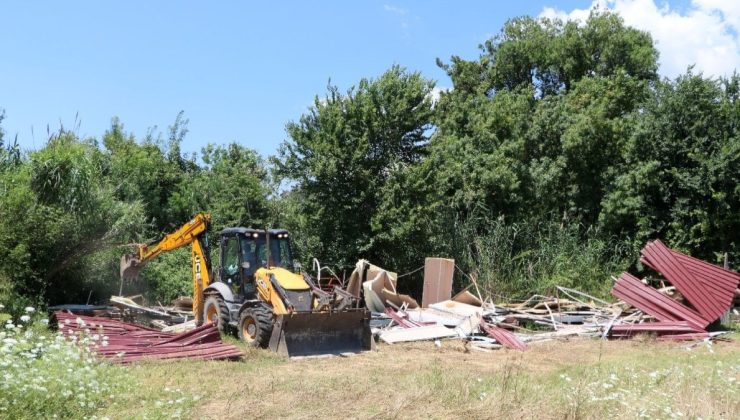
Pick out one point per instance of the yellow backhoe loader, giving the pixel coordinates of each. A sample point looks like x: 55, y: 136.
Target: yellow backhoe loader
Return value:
x: 253, y: 290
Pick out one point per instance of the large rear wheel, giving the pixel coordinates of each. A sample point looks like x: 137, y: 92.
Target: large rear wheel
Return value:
x: 216, y: 311
x: 255, y: 326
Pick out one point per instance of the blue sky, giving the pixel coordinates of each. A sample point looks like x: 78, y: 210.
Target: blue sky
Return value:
x: 239, y: 71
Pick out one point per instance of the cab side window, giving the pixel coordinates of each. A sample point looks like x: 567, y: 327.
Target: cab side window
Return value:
x: 231, y: 256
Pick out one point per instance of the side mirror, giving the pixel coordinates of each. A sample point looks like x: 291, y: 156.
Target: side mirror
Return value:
x: 297, y: 266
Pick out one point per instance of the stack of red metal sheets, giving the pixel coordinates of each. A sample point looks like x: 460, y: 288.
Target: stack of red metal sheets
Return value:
x: 709, y: 291
x: 506, y: 338
x: 124, y: 343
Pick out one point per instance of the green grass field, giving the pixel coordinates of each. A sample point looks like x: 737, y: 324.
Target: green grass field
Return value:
x: 581, y: 378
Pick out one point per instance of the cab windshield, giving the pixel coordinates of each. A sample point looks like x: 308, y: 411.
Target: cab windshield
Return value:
x: 254, y: 250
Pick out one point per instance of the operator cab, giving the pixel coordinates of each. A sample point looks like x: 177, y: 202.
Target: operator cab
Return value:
x: 245, y: 250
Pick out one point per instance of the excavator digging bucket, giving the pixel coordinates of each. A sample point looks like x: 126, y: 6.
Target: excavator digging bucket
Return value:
x: 130, y: 267
x: 322, y: 333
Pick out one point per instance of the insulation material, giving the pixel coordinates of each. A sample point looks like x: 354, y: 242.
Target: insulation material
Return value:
x: 466, y: 297
x: 354, y: 284
x: 372, y: 300
x: 398, y: 300
x: 430, y: 332
x: 373, y: 288
x: 469, y: 325
x: 457, y: 308
x: 432, y: 315
x: 437, y: 280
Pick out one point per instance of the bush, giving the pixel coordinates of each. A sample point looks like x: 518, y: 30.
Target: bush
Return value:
x: 44, y: 373
x: 517, y: 260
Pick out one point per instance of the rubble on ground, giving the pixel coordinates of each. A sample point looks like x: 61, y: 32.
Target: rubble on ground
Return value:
x: 692, y: 295
x: 700, y: 294
x: 121, y: 342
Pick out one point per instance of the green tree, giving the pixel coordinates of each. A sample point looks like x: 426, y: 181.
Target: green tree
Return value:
x: 69, y: 214
x: 232, y: 184
x: 342, y: 152
x: 683, y: 163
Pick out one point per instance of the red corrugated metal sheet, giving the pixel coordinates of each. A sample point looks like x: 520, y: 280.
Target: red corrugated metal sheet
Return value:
x: 706, y: 287
x: 128, y: 343
x: 506, y: 338
x: 631, y: 290
x: 401, y: 321
x: 684, y: 337
x: 674, y: 327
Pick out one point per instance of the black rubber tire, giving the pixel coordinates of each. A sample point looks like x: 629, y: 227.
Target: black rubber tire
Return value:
x: 259, y: 319
x: 216, y: 306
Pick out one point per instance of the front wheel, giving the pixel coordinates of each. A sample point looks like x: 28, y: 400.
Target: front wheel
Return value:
x: 255, y: 326
x: 216, y: 311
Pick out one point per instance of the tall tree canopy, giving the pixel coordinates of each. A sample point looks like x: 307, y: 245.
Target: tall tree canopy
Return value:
x: 340, y: 155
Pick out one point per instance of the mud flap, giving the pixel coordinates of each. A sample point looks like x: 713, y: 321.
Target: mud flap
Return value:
x: 321, y: 333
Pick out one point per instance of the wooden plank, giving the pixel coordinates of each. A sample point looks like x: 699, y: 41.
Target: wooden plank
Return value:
x: 437, y: 280
x: 466, y: 297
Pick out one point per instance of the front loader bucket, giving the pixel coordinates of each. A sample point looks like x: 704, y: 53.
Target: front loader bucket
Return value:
x: 321, y: 333
x: 130, y: 267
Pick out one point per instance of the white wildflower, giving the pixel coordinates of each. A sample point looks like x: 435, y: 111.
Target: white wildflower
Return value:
x: 2, y: 306
x: 25, y: 318
x: 30, y: 309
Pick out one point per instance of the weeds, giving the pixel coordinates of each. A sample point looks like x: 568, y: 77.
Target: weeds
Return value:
x: 516, y: 260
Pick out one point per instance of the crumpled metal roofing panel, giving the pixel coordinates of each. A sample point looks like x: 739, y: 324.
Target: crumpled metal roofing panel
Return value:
x: 128, y: 343
x: 506, y: 338
x: 631, y: 290
x: 706, y: 287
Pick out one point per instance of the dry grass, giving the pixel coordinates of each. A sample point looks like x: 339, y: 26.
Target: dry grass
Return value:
x: 577, y: 379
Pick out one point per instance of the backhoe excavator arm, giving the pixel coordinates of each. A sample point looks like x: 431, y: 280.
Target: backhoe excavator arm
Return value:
x: 194, y: 233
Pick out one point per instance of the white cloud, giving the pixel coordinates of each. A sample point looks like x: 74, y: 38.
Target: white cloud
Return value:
x: 436, y: 93
x: 395, y: 9
x: 705, y: 34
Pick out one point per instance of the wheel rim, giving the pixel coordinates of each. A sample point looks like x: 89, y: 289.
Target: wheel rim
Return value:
x: 249, y: 329
x: 211, y: 313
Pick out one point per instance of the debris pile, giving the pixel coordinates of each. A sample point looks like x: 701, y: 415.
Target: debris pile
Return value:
x: 692, y: 295
x: 700, y: 293
x: 125, y: 343
x: 707, y: 291
x: 177, y: 317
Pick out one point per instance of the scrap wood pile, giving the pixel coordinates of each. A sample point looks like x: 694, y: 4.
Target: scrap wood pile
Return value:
x: 121, y: 342
x: 702, y: 292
